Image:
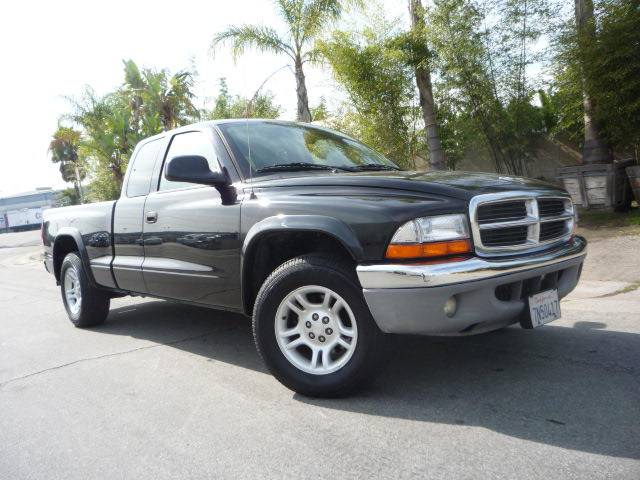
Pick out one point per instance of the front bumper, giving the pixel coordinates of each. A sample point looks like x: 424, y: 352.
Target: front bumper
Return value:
x: 489, y: 293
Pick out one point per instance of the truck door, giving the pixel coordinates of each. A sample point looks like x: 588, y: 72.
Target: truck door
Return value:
x: 128, y: 218
x: 192, y: 246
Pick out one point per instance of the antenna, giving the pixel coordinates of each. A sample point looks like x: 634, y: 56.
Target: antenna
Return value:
x: 252, y: 195
x: 246, y: 122
x: 247, y: 111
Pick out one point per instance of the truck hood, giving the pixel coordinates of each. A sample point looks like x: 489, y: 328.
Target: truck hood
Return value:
x: 456, y: 184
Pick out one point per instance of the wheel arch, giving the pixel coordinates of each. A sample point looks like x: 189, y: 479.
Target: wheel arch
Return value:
x: 69, y: 240
x: 291, y: 235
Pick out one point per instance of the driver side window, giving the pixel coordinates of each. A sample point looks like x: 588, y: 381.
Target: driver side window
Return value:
x: 189, y: 143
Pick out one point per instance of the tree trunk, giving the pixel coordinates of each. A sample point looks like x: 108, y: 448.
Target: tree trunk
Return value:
x: 76, y: 188
x: 78, y: 184
x: 304, y: 114
x: 595, y: 148
x: 118, y: 175
x: 423, y: 81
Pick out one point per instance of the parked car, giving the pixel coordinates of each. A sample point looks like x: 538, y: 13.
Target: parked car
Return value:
x: 325, y: 243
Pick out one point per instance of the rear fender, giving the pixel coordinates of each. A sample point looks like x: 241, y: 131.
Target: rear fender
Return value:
x: 69, y: 232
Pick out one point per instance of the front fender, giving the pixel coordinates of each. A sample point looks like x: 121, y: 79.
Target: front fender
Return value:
x: 309, y: 223
x: 332, y: 227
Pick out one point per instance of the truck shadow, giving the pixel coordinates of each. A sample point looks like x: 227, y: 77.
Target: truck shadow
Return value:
x: 574, y: 388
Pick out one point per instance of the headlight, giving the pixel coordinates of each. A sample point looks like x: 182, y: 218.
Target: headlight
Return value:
x: 431, y: 237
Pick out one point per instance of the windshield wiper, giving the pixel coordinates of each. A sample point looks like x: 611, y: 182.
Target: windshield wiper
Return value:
x: 284, y: 167
x: 374, y: 167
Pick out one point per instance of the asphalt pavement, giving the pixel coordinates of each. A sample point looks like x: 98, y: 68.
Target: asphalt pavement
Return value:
x: 167, y: 391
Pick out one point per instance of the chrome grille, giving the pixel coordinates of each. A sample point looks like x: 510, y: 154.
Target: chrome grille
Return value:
x: 502, y: 211
x: 551, y: 230
x: 551, y: 207
x: 514, y: 222
x: 504, y: 236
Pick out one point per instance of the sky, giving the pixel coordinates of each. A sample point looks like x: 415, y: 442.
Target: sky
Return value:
x: 50, y: 50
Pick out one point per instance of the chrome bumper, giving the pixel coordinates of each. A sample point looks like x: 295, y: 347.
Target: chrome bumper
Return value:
x: 439, y: 274
x: 410, y: 298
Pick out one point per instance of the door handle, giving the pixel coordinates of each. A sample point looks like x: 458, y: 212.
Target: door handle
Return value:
x: 151, y: 217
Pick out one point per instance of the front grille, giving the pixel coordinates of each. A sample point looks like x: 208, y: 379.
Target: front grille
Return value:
x: 551, y: 207
x: 551, y: 230
x: 505, y: 236
x: 502, y: 211
x: 510, y: 222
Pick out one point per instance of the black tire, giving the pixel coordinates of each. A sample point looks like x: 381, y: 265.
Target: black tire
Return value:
x: 94, y: 305
x: 368, y: 355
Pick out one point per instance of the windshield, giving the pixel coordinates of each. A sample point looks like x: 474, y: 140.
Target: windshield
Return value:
x: 278, y: 146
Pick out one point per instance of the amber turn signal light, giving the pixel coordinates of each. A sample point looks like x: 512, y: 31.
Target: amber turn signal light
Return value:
x: 426, y: 250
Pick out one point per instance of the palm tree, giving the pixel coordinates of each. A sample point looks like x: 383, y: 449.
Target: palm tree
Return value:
x: 423, y: 81
x: 109, y: 130
x: 64, y: 150
x: 305, y: 20
x: 155, y: 93
x: 595, y: 148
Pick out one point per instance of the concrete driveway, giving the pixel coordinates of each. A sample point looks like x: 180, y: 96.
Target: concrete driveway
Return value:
x: 169, y: 391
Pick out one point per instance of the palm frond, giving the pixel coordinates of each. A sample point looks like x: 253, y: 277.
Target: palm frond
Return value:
x: 316, y: 14
x: 262, y: 38
x: 292, y: 13
x: 132, y: 77
x: 313, y: 56
x: 290, y: 10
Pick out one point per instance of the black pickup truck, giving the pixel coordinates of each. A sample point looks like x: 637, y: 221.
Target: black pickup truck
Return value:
x: 327, y: 244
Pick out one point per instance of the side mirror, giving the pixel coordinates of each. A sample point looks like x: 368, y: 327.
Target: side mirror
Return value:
x: 194, y: 169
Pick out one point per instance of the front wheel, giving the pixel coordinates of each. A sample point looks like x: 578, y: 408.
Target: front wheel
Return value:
x: 314, y: 330
x: 86, y: 305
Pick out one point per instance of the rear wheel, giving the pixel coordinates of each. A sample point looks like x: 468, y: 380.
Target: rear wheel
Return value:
x: 313, y: 328
x: 86, y: 305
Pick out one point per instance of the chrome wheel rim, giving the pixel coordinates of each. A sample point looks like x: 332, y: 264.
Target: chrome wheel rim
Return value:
x: 316, y: 330
x: 72, y: 291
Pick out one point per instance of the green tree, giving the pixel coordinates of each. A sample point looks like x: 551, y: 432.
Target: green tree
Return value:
x: 304, y: 21
x: 483, y: 51
x: 110, y: 132
x: 69, y: 196
x: 158, y: 95
x: 320, y: 112
x: 64, y: 147
x: 420, y: 58
x: 608, y: 70
x: 379, y: 83
x: 615, y: 73
x: 222, y: 105
x: 595, y: 149
x: 226, y: 105
x: 148, y: 102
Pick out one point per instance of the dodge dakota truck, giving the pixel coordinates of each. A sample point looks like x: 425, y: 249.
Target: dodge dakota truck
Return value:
x: 328, y: 245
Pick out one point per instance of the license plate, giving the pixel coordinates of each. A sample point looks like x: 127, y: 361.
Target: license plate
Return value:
x: 544, y: 307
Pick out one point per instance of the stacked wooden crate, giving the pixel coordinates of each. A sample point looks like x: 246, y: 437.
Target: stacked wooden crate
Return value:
x: 599, y: 186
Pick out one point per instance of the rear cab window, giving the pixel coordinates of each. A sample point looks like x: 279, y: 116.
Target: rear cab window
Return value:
x: 141, y: 170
